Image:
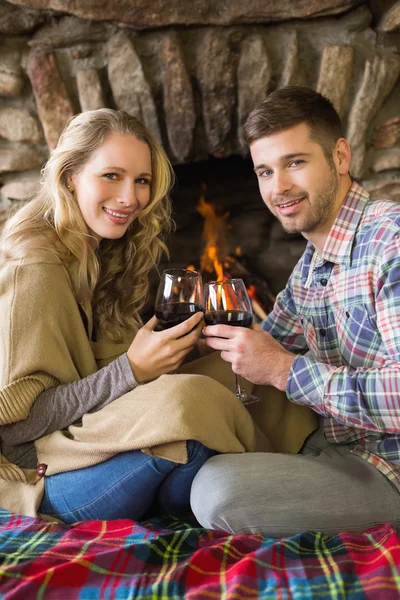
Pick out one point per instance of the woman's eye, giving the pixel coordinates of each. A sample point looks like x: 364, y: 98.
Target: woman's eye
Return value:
x: 143, y: 181
x: 112, y: 176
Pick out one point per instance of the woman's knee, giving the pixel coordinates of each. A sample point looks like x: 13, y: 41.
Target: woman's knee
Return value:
x: 198, y: 453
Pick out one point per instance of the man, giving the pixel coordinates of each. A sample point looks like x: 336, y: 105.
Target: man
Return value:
x: 332, y: 341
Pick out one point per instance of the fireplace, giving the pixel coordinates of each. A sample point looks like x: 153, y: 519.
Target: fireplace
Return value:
x: 192, y: 72
x: 245, y: 229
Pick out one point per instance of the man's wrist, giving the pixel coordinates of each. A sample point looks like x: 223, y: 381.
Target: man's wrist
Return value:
x: 283, y: 368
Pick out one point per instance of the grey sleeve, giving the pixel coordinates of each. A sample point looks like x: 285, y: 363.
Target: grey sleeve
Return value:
x: 59, y: 407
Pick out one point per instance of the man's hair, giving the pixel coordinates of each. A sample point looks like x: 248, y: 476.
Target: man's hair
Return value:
x: 290, y: 106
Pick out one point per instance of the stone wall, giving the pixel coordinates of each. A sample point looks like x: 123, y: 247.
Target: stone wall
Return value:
x: 192, y: 71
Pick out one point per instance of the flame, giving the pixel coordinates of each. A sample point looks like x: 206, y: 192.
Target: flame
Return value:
x: 216, y: 257
x: 215, y: 235
x: 251, y: 290
x: 257, y: 308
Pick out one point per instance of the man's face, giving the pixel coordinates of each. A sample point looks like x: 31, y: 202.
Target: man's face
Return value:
x: 297, y: 182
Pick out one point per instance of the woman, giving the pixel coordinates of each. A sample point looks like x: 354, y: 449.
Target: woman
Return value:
x: 72, y: 286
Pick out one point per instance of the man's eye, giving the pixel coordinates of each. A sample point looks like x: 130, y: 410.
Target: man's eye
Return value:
x: 266, y: 173
x: 296, y: 163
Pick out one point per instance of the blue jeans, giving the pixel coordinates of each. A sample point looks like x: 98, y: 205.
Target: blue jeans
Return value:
x: 124, y: 487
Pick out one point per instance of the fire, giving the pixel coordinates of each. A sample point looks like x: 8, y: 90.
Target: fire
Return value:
x: 218, y: 263
x: 215, y: 235
x: 257, y: 308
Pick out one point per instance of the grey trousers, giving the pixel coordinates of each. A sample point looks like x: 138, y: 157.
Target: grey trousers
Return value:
x: 325, y: 488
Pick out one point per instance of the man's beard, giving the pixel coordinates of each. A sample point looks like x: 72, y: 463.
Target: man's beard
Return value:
x: 318, y: 213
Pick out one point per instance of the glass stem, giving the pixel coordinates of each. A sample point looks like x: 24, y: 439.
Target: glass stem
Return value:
x: 238, y: 391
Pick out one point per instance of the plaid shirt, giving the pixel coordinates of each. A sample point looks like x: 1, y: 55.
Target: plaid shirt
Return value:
x: 340, y: 315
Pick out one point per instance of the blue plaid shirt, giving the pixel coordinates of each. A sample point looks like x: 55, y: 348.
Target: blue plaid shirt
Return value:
x: 340, y: 315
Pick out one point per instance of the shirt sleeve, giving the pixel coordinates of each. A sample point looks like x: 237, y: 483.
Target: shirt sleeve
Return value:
x: 366, y: 398
x: 59, y: 407
x: 283, y: 322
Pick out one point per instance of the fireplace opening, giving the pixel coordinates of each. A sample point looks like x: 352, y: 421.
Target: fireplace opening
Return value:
x: 224, y: 230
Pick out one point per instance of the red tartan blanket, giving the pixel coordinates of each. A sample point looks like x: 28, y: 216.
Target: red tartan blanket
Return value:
x: 172, y: 559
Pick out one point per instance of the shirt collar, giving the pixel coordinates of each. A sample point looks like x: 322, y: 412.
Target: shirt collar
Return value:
x: 338, y: 244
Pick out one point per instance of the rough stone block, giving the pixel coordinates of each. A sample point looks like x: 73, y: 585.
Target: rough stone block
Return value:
x: 20, y: 190
x: 386, y: 160
x: 253, y: 77
x: 20, y: 158
x: 161, y: 13
x: 335, y: 74
x: 391, y: 19
x: 52, y: 101
x: 19, y: 21
x: 89, y: 89
x: 11, y: 76
x: 17, y: 125
x: 180, y: 116
x: 292, y: 72
x: 69, y: 31
x: 387, y: 134
x: 379, y: 77
x: 129, y: 86
x: 216, y: 77
x: 386, y: 186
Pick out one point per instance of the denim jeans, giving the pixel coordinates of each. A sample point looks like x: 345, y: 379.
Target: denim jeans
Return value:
x: 123, y: 487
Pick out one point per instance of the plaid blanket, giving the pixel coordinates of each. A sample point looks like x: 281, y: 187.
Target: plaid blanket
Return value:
x: 173, y: 559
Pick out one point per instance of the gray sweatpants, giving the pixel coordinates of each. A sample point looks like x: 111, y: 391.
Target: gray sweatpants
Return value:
x: 325, y: 488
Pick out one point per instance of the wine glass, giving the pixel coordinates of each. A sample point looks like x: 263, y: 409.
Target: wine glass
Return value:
x: 179, y: 296
x: 227, y: 303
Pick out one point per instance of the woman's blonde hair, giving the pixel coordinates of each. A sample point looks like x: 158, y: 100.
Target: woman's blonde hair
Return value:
x: 115, y: 274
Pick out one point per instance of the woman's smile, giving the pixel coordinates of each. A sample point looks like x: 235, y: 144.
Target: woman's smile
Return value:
x: 118, y: 216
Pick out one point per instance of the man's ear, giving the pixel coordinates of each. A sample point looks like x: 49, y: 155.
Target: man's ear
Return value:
x: 342, y: 156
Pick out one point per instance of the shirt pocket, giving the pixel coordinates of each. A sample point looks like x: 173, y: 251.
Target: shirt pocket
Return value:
x: 320, y: 334
x: 360, y: 343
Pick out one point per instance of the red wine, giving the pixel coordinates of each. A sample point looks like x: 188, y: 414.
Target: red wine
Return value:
x: 173, y: 313
x: 238, y: 318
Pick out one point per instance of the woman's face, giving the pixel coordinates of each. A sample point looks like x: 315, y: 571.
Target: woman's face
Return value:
x: 113, y: 186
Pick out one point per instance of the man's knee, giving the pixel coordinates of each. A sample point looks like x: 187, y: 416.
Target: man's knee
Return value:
x: 211, y: 496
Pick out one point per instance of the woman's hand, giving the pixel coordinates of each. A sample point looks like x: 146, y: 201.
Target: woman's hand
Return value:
x: 154, y: 353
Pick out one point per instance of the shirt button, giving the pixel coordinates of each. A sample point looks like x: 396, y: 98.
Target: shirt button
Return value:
x: 324, y: 282
x: 347, y: 314
x: 322, y: 332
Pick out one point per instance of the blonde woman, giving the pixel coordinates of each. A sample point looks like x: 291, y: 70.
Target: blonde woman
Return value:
x: 71, y: 289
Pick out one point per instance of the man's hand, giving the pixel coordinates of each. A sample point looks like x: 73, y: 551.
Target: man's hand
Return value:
x: 254, y: 353
x: 154, y: 353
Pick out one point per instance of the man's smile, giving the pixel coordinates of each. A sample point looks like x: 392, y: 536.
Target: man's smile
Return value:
x: 289, y: 206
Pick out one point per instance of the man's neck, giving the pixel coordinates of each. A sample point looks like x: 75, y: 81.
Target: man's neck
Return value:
x: 319, y: 237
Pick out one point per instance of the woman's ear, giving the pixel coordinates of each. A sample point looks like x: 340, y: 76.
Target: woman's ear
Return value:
x: 70, y: 185
x: 342, y: 156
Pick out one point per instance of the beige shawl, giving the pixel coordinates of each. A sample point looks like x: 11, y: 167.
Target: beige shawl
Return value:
x: 44, y: 343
